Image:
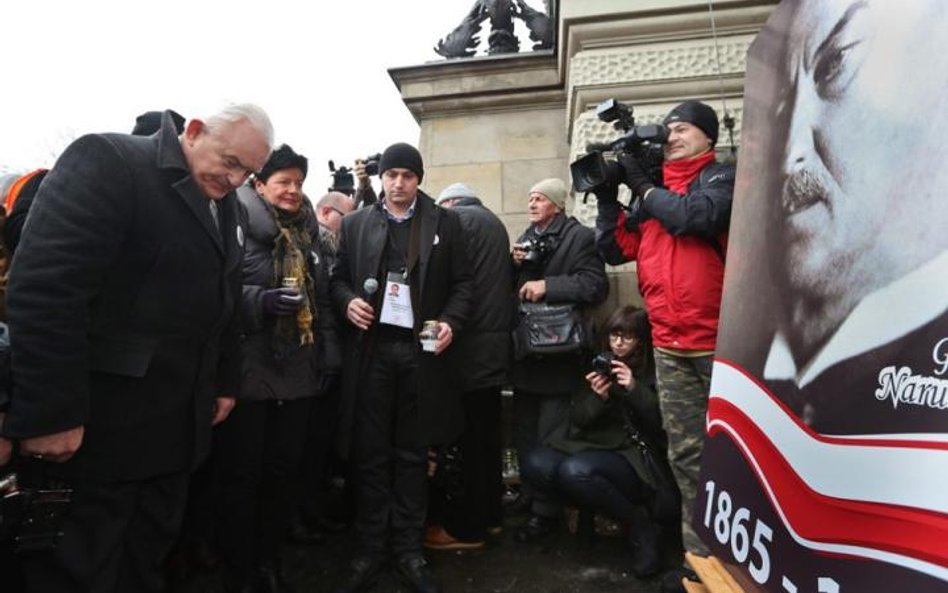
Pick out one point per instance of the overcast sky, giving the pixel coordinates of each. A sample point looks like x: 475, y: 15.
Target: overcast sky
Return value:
x: 318, y: 67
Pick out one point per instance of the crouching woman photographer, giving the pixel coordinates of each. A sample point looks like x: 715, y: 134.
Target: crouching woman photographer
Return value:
x: 613, y: 457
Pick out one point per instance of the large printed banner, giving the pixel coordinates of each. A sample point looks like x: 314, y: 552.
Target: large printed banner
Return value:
x: 825, y: 467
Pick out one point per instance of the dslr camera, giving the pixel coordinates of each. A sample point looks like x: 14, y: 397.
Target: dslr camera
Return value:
x: 602, y: 364
x: 372, y: 163
x: 537, y: 249
x: 594, y: 170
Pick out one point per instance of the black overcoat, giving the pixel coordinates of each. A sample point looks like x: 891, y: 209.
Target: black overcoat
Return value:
x: 123, y: 303
x: 303, y: 372
x: 443, y: 281
x: 482, y: 352
x: 574, y: 273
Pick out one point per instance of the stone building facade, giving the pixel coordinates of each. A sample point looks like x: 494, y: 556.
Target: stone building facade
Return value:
x: 500, y: 123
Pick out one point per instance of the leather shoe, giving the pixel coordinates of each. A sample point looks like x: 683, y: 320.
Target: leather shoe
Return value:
x: 672, y: 580
x: 270, y: 580
x: 437, y: 538
x: 324, y: 523
x: 535, y: 529
x: 303, y: 535
x: 414, y: 572
x: 362, y: 575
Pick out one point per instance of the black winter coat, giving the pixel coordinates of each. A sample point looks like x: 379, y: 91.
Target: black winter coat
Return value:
x: 123, y: 306
x: 443, y: 281
x: 482, y: 352
x: 306, y: 371
x: 574, y: 273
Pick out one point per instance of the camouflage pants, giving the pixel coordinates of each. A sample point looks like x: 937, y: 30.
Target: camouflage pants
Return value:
x: 683, y: 386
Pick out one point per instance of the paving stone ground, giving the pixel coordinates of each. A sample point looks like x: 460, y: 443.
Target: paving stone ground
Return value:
x: 560, y: 565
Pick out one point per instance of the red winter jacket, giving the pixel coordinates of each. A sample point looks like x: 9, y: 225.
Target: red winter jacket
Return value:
x: 679, y: 242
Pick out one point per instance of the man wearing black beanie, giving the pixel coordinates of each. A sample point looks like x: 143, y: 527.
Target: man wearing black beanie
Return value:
x: 676, y: 230
x: 401, y: 266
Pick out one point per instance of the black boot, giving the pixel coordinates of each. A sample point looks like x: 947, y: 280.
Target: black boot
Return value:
x: 672, y: 580
x: 536, y: 528
x: 300, y: 533
x: 414, y: 572
x: 362, y: 574
x: 270, y: 580
x: 643, y: 540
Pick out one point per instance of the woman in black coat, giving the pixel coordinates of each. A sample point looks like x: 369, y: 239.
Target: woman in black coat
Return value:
x: 289, y: 350
x: 613, y: 457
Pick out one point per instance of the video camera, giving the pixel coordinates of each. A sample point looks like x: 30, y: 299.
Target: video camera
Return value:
x: 342, y: 178
x: 645, y: 143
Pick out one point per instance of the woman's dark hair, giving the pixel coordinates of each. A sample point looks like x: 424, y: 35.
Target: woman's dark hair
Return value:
x: 283, y: 158
x: 632, y: 320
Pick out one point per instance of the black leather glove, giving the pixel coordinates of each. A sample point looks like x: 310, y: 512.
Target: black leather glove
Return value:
x: 635, y: 176
x: 635, y: 215
x: 281, y: 301
x: 607, y: 192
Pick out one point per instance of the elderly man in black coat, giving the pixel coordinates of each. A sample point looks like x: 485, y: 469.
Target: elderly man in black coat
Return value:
x: 482, y: 357
x: 555, y: 262
x: 123, y: 300
x: 394, y: 396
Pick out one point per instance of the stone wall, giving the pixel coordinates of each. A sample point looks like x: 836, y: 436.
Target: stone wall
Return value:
x: 500, y: 123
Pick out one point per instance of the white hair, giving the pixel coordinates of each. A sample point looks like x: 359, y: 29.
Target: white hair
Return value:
x: 253, y: 114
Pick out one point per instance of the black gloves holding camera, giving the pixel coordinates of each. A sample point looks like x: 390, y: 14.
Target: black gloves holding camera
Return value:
x: 281, y: 301
x: 635, y: 176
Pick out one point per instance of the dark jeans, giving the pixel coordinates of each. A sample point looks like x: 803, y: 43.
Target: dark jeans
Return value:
x: 538, y: 417
x: 390, y: 462
x: 260, y: 446
x: 317, y: 461
x: 115, y: 538
x: 603, y: 480
x: 479, y: 507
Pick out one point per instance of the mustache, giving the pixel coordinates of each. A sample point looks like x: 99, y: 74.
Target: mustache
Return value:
x: 802, y: 189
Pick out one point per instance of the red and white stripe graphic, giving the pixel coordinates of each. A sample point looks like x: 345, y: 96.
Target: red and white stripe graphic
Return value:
x: 883, y: 498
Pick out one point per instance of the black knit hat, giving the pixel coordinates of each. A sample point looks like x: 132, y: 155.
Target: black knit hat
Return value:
x: 698, y: 114
x: 149, y: 122
x: 402, y: 156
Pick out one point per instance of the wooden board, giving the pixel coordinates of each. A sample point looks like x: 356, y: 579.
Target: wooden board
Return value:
x: 714, y: 577
x: 693, y: 587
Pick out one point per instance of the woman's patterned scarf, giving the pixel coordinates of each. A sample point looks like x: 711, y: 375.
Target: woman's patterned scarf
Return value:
x: 290, y: 251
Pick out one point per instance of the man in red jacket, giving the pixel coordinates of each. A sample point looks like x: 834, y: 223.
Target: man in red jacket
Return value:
x: 677, y: 232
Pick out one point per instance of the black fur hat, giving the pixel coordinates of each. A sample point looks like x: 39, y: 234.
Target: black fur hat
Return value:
x: 149, y: 122
x: 283, y: 158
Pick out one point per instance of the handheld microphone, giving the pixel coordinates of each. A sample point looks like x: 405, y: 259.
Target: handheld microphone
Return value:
x: 369, y: 287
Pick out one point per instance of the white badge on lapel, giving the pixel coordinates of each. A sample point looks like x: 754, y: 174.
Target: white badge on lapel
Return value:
x: 437, y: 239
x: 240, y: 235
